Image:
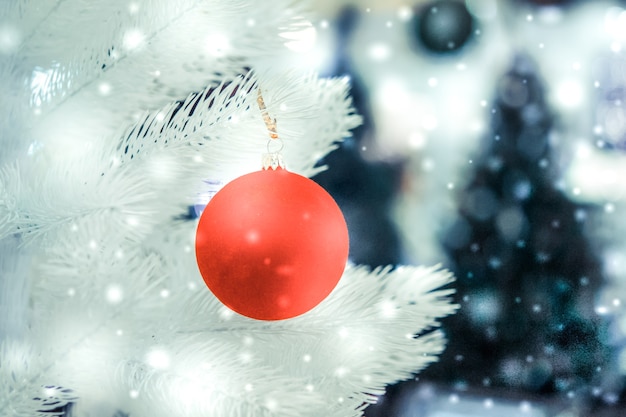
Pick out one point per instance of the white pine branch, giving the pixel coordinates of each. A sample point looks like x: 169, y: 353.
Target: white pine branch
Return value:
x: 157, y: 168
x: 373, y: 330
x: 346, y: 350
x: 117, y: 65
x: 24, y: 392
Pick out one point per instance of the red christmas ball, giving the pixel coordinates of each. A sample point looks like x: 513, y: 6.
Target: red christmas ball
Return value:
x: 271, y: 244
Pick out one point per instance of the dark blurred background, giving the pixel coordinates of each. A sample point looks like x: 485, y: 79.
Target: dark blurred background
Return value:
x: 493, y: 143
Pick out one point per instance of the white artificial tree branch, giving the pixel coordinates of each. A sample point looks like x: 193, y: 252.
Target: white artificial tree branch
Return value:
x: 115, y: 116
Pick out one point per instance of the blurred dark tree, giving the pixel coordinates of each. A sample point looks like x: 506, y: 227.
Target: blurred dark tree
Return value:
x: 363, y: 189
x: 526, y: 273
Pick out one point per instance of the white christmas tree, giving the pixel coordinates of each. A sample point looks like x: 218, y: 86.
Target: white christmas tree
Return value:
x: 114, y: 114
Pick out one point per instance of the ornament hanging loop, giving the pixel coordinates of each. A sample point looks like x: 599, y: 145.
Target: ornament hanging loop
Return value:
x: 273, y: 158
x: 272, y: 143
